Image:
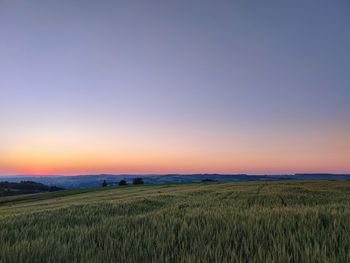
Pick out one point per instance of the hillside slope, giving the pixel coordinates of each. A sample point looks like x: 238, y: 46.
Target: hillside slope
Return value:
x: 25, y: 187
x: 279, y: 221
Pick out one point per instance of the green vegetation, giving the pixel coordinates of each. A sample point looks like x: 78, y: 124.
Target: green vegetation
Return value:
x: 104, y: 184
x: 138, y: 181
x: 24, y: 187
x: 279, y: 221
x: 123, y: 182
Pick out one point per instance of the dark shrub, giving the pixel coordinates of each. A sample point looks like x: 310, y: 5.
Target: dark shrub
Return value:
x: 208, y: 180
x: 104, y: 184
x: 138, y: 181
x: 123, y: 182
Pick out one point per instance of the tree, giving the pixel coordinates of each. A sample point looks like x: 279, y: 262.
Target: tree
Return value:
x: 123, y: 182
x: 138, y: 181
x: 104, y: 184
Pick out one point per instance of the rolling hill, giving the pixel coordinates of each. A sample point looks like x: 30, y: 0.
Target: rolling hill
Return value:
x: 270, y: 221
x: 89, y: 181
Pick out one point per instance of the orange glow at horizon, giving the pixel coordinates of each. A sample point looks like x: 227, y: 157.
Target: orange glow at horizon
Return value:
x: 217, y: 87
x: 78, y: 152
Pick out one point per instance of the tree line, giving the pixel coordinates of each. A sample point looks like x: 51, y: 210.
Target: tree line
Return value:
x: 25, y: 187
x: 135, y: 181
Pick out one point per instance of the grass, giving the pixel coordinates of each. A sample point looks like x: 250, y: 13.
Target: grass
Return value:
x: 286, y: 221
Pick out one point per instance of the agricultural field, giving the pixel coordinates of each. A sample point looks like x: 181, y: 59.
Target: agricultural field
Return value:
x: 275, y: 221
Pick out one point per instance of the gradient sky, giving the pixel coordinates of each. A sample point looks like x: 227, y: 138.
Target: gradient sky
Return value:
x: 179, y: 86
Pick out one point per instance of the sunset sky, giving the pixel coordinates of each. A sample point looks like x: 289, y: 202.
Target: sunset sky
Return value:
x: 185, y: 86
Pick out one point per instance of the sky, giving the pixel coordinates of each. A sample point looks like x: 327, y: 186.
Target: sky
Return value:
x: 186, y: 86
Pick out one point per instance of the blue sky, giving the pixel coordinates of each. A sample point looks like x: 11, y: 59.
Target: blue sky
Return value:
x: 227, y: 86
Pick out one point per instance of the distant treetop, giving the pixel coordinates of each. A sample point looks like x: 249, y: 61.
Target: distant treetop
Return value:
x: 138, y: 180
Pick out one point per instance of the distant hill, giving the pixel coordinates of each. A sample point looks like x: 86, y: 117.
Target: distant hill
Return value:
x: 25, y: 187
x: 88, y: 181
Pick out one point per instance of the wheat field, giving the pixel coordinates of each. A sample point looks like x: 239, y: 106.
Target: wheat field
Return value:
x: 274, y: 221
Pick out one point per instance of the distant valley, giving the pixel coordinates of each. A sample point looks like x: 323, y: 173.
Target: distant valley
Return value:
x: 88, y: 181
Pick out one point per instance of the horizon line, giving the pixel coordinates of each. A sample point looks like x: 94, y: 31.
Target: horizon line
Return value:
x: 164, y: 174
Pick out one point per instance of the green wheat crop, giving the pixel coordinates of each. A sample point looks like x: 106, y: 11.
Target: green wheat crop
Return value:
x: 284, y: 221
